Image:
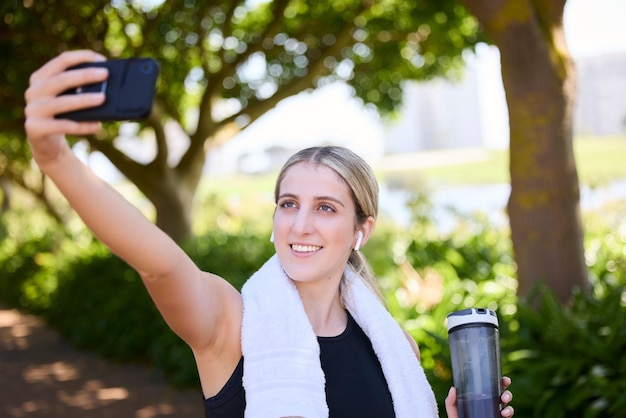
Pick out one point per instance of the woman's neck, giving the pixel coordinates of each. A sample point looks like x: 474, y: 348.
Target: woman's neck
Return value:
x: 324, y: 308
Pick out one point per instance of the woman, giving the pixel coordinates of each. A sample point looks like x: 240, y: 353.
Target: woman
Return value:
x: 306, y: 337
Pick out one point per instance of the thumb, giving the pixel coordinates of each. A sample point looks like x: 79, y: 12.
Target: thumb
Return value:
x: 451, y: 408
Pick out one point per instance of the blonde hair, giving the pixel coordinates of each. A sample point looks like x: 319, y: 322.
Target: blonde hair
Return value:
x: 359, y: 177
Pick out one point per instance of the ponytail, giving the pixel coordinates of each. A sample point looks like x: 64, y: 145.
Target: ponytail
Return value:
x: 362, y: 268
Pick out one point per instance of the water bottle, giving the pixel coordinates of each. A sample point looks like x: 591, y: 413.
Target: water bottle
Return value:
x: 474, y: 341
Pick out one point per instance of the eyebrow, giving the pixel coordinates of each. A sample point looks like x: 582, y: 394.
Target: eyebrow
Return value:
x: 316, y: 198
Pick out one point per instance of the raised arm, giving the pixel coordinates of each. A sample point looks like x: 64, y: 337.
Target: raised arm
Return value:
x: 201, y: 308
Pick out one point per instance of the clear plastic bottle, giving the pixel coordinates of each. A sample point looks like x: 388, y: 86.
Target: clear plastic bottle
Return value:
x: 474, y: 340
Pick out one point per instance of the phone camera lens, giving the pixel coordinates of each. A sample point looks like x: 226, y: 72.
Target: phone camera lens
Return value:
x: 146, y: 68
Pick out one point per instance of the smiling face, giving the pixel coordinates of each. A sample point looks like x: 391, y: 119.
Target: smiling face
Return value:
x: 314, y: 224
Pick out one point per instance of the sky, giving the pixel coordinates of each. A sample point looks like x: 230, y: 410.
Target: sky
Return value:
x: 595, y: 26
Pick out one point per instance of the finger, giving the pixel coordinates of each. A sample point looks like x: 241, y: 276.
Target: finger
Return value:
x: 63, y: 61
x: 38, y: 128
x: 47, y: 107
x: 450, y: 403
x: 506, y: 397
x: 60, y: 82
x: 506, y: 382
x: 507, y: 412
x: 43, y: 127
x: 52, y: 79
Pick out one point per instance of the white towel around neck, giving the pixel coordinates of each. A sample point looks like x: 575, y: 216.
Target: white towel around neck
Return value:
x: 283, y: 376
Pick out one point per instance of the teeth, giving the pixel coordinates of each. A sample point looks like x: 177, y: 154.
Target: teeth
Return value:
x: 305, y: 248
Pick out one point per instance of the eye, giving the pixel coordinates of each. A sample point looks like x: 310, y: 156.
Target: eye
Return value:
x: 287, y: 204
x: 326, y: 208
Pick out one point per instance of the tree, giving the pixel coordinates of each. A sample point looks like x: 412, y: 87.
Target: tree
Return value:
x: 539, y: 81
x: 207, y: 50
x: 230, y: 62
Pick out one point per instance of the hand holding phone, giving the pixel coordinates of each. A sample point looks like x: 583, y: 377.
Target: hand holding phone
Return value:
x: 129, y: 90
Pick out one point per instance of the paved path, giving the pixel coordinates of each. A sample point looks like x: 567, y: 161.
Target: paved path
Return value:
x: 41, y: 375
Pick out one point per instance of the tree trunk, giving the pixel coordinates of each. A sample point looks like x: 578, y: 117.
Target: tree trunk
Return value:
x: 173, y: 205
x: 543, y: 207
x: 170, y: 189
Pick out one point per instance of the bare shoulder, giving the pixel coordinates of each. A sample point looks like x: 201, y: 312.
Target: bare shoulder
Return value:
x: 413, y: 344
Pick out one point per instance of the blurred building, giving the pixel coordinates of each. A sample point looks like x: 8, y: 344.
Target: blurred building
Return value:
x: 443, y: 114
x: 601, y: 104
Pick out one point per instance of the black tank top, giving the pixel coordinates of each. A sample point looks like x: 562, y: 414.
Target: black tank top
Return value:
x: 355, y: 383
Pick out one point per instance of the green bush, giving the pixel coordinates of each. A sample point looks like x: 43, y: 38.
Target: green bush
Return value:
x: 564, y: 360
x: 436, y: 274
x: 100, y: 304
x: 568, y: 361
x: 27, y: 262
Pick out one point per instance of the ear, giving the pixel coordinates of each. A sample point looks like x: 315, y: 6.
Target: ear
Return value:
x: 364, y: 231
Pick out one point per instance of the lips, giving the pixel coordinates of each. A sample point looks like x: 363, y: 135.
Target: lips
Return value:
x: 305, y: 248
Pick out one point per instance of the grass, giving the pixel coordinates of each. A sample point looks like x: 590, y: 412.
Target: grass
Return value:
x: 599, y: 160
x: 490, y: 167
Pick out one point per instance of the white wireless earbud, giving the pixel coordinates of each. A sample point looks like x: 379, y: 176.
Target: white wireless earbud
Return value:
x: 358, y: 241
x: 272, y: 236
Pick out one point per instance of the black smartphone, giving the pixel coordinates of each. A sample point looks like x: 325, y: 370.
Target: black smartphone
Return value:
x: 129, y: 90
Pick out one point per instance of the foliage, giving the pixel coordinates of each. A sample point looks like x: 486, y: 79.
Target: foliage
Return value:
x: 99, y: 303
x: 93, y: 322
x: 577, y: 351
x: 435, y: 274
x: 223, y: 65
x: 25, y: 263
x: 564, y: 361
x: 569, y: 361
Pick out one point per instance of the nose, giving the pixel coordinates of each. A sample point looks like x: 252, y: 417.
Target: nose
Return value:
x: 303, y: 222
